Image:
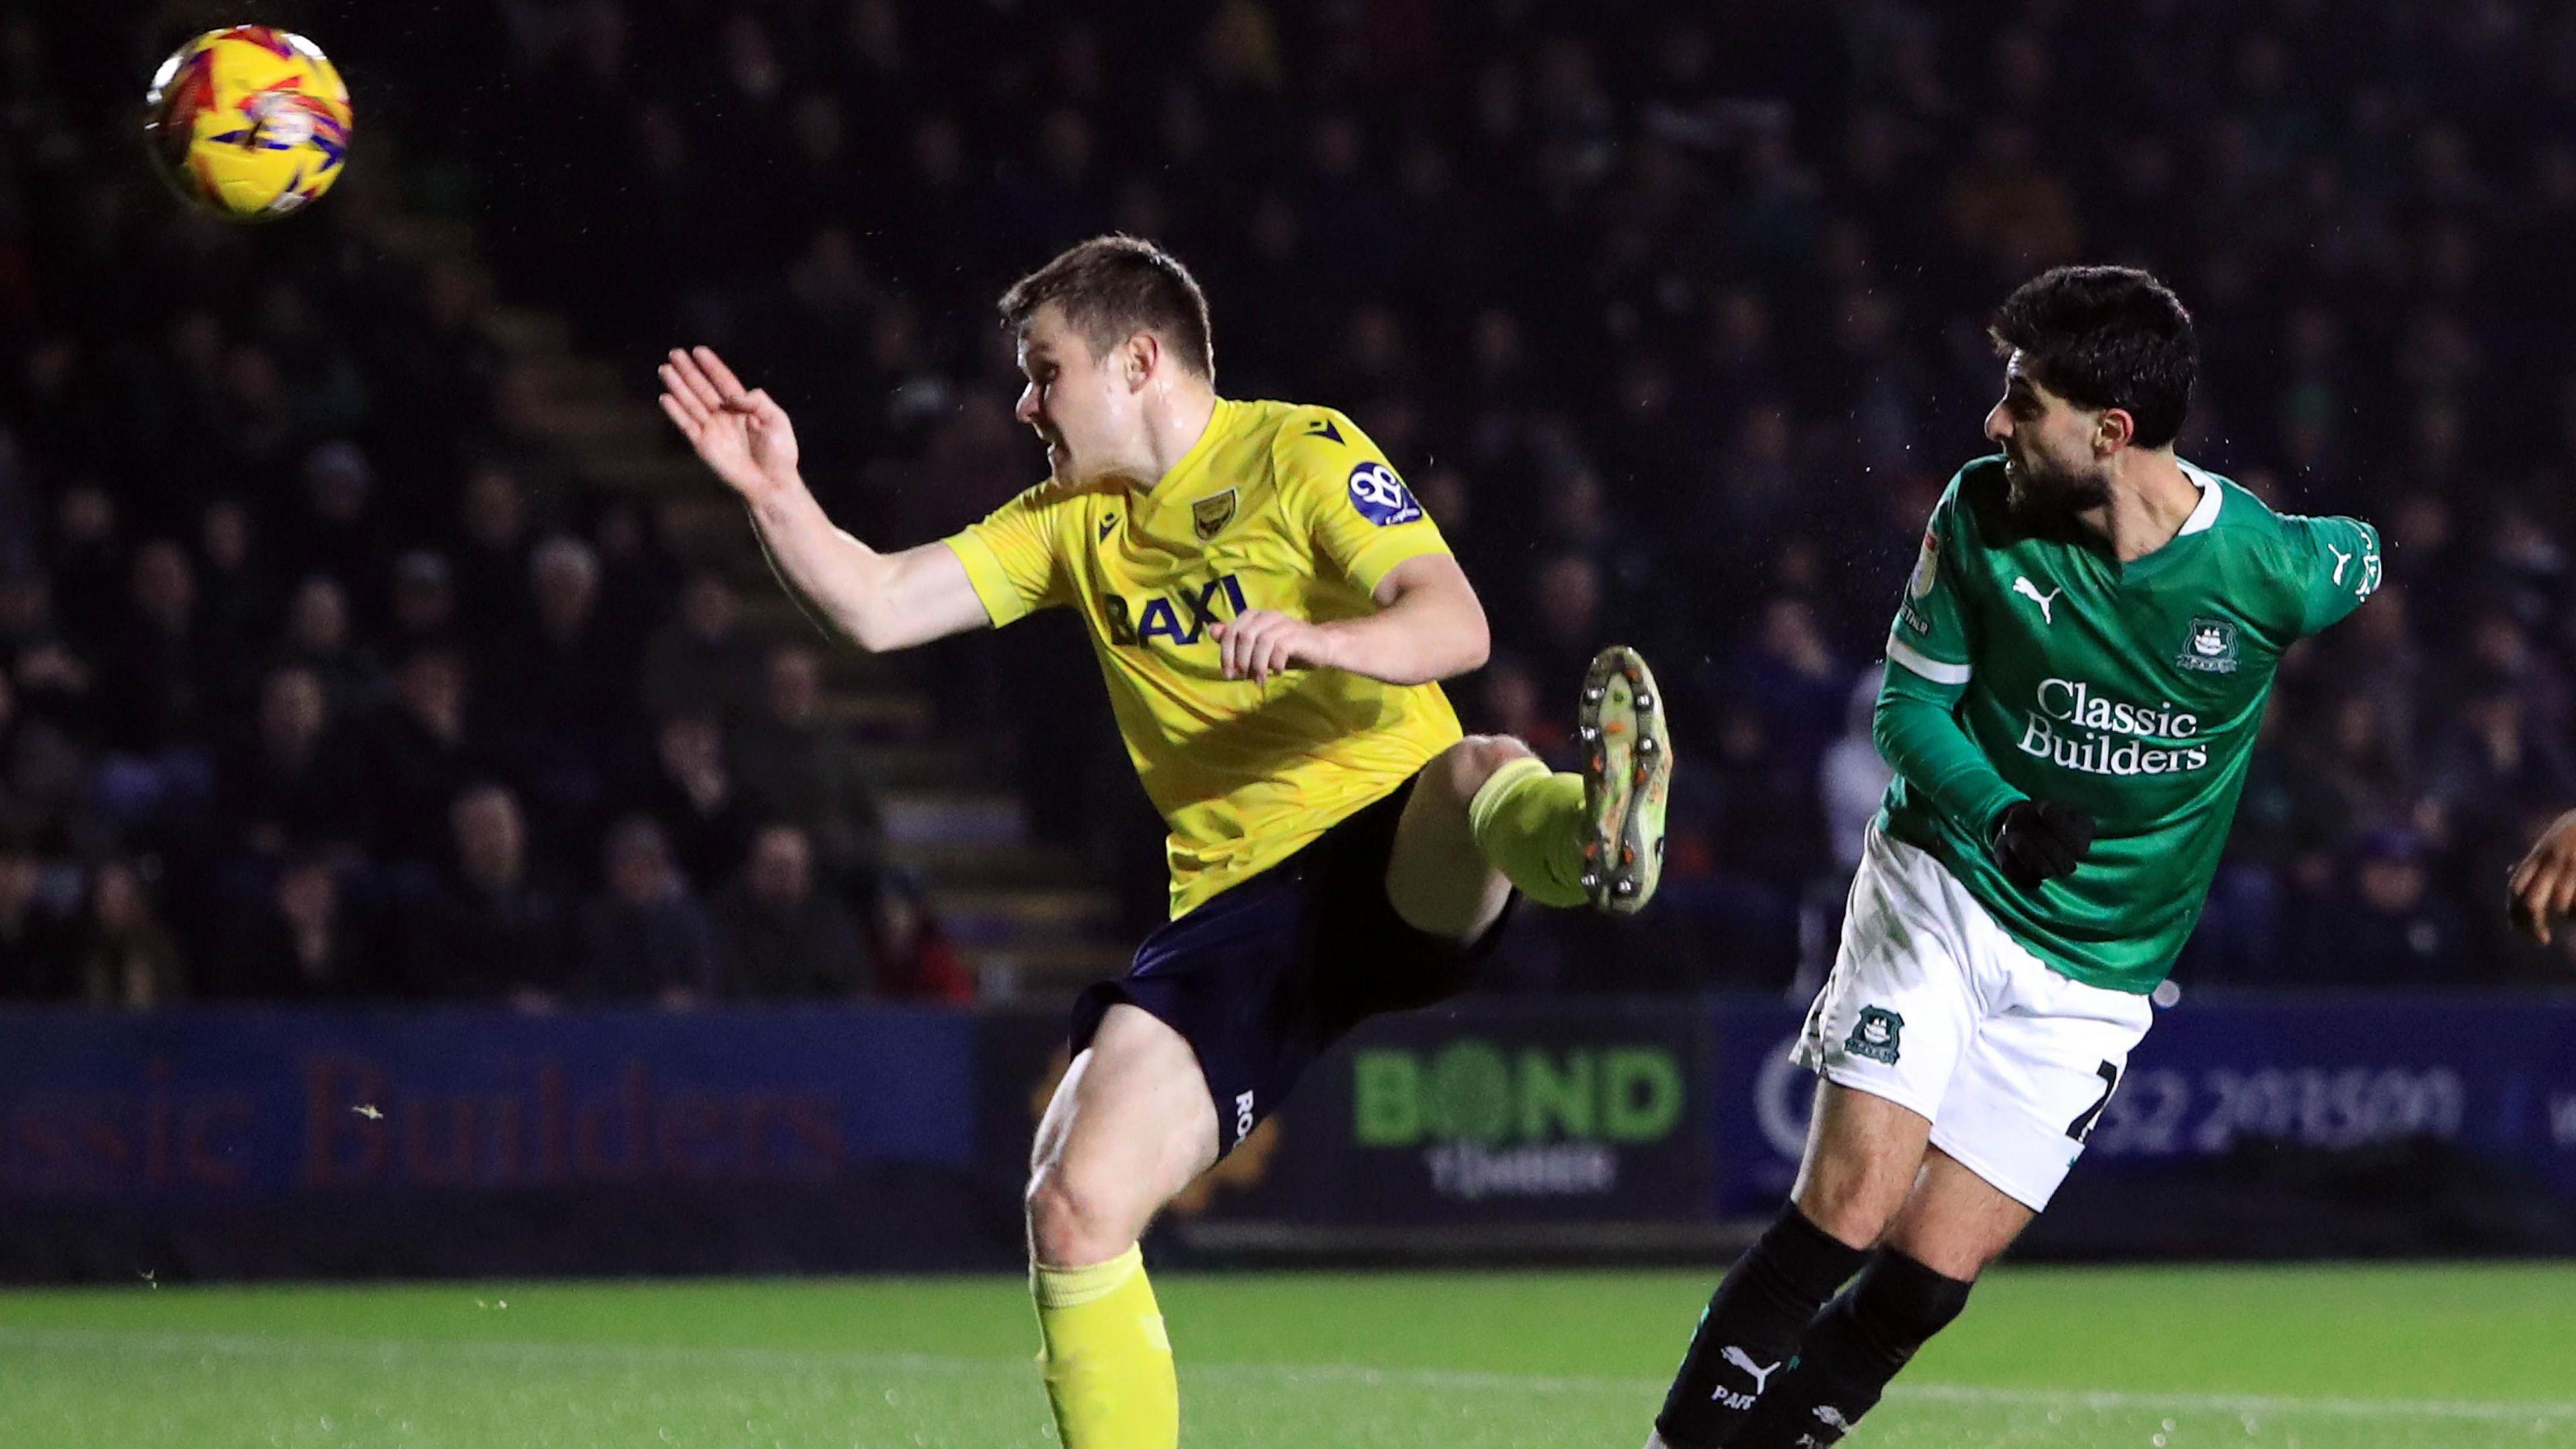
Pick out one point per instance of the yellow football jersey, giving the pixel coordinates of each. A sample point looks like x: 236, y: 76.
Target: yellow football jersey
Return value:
x: 1279, y: 507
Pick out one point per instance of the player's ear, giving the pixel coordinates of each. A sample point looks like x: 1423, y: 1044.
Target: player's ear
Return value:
x: 1138, y: 357
x: 2114, y: 431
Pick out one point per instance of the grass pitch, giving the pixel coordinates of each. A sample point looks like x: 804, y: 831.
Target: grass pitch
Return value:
x: 2333, y: 1358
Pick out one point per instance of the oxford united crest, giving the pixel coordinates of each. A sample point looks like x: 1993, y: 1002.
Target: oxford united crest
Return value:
x: 1211, y: 514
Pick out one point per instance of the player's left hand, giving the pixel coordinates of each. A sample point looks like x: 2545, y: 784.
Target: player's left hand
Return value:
x: 2543, y: 887
x: 2037, y: 841
x: 1259, y: 643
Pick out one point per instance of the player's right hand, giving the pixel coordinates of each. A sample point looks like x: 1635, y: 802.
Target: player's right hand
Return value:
x: 2040, y: 840
x: 2543, y: 886
x: 743, y: 436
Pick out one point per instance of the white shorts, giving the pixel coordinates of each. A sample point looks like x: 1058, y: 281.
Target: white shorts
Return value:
x: 1936, y: 1008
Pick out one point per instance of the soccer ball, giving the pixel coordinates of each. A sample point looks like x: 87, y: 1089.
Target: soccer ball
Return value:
x: 249, y: 122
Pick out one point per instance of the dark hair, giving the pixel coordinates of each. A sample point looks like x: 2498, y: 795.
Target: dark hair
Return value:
x: 1112, y: 287
x: 2105, y: 337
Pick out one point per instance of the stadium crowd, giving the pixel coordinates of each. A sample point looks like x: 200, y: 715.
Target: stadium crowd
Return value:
x: 327, y: 676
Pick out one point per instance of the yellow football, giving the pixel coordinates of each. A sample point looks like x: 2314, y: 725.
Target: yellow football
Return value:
x: 249, y: 122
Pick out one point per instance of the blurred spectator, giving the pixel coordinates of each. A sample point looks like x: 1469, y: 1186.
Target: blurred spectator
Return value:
x: 42, y: 773
x: 126, y: 957
x: 563, y: 693
x: 424, y: 601
x: 637, y: 579
x: 646, y: 937
x: 340, y: 535
x: 1564, y: 604
x: 914, y: 957
x: 701, y: 659
x: 318, y: 640
x: 1750, y: 847
x: 91, y: 582
x: 491, y: 557
x: 799, y: 766
x: 304, y: 939
x: 1798, y: 684
x: 285, y: 790
x: 36, y: 942
x: 690, y: 793
x: 166, y: 681
x: 1852, y: 780
x: 163, y: 691
x: 55, y: 682
x: 2356, y: 777
x: 787, y: 938
x: 2494, y: 762
x: 420, y: 749
x: 486, y: 928
x: 2385, y: 926
x: 1514, y: 704
x: 241, y: 604
x: 1851, y: 783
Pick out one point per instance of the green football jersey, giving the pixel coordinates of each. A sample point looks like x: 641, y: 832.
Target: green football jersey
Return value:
x: 2130, y: 691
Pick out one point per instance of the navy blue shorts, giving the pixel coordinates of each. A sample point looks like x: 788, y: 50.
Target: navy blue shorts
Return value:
x: 1262, y: 978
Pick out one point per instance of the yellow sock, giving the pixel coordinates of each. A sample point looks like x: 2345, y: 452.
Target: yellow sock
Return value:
x: 1529, y: 823
x: 1107, y: 1361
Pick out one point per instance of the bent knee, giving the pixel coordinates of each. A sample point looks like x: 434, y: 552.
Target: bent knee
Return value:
x: 1853, y: 1221
x: 1856, y: 1208
x: 1076, y: 1220
x: 1465, y: 766
x: 1961, y: 1262
x: 1962, y: 1256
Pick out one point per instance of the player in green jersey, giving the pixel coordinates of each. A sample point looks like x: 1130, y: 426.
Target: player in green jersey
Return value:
x: 2074, y: 680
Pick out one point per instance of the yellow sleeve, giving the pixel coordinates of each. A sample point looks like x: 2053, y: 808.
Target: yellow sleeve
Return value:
x: 1356, y: 508
x: 1011, y: 556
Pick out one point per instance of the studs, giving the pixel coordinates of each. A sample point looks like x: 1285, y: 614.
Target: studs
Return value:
x: 1592, y: 880
x: 1645, y: 702
x: 1588, y: 733
x: 1624, y: 889
x: 1592, y: 694
x: 1645, y: 744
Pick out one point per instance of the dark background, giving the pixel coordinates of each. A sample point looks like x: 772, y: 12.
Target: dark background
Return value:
x: 363, y: 636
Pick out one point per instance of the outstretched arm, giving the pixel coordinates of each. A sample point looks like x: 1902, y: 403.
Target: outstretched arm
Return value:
x: 1429, y: 625
x: 879, y: 601
x: 2543, y: 887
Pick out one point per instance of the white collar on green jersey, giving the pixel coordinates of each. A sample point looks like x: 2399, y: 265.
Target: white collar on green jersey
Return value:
x: 2205, y: 512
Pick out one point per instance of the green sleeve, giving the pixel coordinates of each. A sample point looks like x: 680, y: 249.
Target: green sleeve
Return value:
x: 2338, y: 560
x: 1920, y: 737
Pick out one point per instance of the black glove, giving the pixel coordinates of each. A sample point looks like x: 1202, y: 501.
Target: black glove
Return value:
x: 2039, y: 840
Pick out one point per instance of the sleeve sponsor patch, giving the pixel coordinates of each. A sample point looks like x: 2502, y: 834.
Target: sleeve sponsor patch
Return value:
x: 1381, y: 497
x: 1927, y: 566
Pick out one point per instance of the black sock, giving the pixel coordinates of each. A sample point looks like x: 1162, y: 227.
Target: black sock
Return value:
x: 1854, y: 1347
x: 1752, y: 1326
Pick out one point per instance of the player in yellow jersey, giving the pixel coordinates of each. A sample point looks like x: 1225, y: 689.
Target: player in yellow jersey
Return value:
x: 1271, y: 609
